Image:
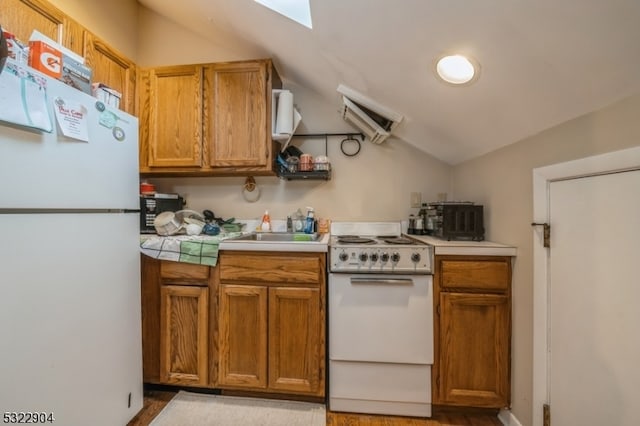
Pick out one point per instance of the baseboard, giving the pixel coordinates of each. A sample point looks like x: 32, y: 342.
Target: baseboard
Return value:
x: 507, y: 418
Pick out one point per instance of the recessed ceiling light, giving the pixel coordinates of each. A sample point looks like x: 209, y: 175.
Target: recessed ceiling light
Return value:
x: 298, y: 10
x: 456, y: 69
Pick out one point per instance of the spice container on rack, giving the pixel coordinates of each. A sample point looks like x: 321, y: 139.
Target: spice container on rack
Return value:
x: 292, y: 164
x: 306, y: 163
x: 321, y: 163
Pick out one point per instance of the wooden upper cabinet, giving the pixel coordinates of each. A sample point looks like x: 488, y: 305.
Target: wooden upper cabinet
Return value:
x: 171, y: 117
x: 207, y: 119
x: 73, y: 36
x: 21, y: 17
x: 239, y: 106
x: 111, y: 68
x: 108, y: 66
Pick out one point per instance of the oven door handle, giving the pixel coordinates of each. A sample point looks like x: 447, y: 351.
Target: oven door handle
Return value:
x: 382, y: 281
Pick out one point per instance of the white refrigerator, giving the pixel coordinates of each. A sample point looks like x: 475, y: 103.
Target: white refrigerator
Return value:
x: 70, y: 321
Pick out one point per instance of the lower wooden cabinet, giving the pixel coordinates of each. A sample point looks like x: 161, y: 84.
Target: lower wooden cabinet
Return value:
x: 243, y: 336
x: 294, y: 339
x: 255, y: 322
x: 271, y: 322
x: 176, y: 304
x: 184, y: 335
x: 472, y: 297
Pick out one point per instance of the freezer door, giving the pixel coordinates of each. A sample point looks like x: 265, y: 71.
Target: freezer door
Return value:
x: 49, y: 170
x: 70, y: 322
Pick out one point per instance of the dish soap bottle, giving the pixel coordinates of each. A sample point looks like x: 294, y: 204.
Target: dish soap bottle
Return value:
x: 266, y: 222
x: 309, y: 221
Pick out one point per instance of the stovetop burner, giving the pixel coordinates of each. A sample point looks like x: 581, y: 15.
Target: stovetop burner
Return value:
x: 354, y: 239
x: 389, y: 239
x: 397, y: 240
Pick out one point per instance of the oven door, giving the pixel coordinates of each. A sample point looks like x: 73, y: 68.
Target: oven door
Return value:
x: 381, y: 318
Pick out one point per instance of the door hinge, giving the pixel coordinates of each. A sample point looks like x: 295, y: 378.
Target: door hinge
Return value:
x: 546, y: 415
x: 546, y: 233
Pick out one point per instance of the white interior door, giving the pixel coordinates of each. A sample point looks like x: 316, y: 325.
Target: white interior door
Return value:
x: 594, y: 300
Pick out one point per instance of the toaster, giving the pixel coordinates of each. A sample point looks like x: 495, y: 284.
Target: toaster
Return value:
x: 458, y: 220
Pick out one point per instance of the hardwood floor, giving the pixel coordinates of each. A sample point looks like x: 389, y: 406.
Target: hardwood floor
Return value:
x: 155, y: 401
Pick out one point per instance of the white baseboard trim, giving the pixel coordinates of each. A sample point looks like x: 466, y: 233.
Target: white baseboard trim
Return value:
x: 508, y: 419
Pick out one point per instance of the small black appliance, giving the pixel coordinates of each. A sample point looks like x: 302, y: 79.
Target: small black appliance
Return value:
x: 154, y: 204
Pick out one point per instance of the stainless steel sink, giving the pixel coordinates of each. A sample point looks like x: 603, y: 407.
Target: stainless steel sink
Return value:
x: 290, y: 237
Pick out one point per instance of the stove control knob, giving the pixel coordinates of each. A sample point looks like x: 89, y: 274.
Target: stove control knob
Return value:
x: 363, y: 257
x: 415, y: 257
x: 395, y: 257
x: 384, y: 257
x: 374, y: 257
x: 343, y: 257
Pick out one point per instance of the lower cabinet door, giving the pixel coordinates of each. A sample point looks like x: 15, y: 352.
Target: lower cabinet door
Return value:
x: 242, y: 348
x: 184, y: 335
x: 294, y: 340
x: 475, y: 330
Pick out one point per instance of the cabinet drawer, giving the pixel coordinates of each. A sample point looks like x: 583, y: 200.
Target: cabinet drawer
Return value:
x: 187, y: 272
x: 475, y: 274
x: 258, y: 268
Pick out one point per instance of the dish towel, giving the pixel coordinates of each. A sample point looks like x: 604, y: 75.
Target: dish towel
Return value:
x: 198, y: 249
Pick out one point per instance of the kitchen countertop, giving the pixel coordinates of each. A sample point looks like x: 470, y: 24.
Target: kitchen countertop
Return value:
x: 203, y: 249
x: 322, y: 245
x: 469, y: 248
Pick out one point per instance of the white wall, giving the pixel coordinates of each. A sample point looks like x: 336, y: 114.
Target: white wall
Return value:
x: 114, y: 21
x: 502, y: 181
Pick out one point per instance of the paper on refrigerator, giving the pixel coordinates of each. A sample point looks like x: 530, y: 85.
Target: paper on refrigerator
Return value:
x: 72, y: 119
x: 23, y: 97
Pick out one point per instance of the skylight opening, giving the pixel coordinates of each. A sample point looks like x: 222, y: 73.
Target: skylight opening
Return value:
x: 298, y: 10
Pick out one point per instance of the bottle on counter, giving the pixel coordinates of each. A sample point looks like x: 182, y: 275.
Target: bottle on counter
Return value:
x: 289, y: 224
x: 266, y: 222
x: 309, y: 225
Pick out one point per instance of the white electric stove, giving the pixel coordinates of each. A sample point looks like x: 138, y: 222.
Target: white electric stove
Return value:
x: 380, y: 320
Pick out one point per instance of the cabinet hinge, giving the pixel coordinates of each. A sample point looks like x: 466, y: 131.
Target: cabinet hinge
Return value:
x: 438, y: 309
x: 546, y: 415
x: 546, y: 233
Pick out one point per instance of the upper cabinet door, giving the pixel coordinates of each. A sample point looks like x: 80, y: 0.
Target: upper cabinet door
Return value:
x: 21, y: 17
x: 240, y: 131
x: 73, y: 36
x: 171, y: 119
x: 111, y: 68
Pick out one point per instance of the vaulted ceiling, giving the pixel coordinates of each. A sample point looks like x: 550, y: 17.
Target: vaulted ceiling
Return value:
x: 542, y: 62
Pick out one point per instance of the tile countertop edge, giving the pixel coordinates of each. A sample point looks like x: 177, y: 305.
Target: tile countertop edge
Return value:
x: 467, y: 248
